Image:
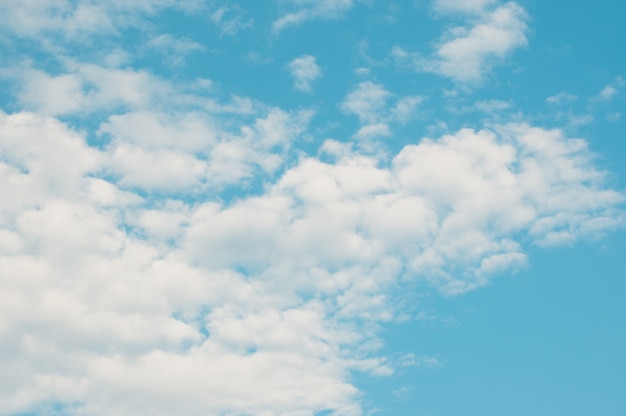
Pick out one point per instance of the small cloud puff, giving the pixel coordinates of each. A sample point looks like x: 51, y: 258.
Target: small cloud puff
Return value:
x: 369, y: 102
x: 304, y: 70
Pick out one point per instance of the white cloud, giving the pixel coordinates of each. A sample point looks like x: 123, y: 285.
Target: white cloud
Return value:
x: 369, y: 102
x: 467, y: 54
x: 75, y: 20
x: 88, y: 88
x: 114, y: 304
x: 305, y: 10
x: 304, y: 70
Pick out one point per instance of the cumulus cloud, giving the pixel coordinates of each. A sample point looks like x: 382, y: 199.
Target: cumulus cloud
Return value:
x: 304, y: 70
x: 301, y: 11
x: 179, y: 253
x: 466, y: 54
x: 265, y: 304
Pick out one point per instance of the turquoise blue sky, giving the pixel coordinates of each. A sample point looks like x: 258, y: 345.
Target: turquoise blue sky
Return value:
x: 312, y: 207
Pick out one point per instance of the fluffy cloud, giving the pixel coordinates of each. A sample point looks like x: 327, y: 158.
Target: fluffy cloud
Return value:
x: 268, y: 303
x: 87, y: 88
x: 467, y: 54
x: 304, y: 70
x: 369, y: 102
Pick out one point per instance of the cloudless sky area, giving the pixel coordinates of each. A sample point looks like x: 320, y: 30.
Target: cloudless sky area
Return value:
x: 312, y: 207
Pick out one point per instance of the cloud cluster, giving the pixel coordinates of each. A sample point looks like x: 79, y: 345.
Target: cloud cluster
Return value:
x: 179, y: 253
x: 116, y: 303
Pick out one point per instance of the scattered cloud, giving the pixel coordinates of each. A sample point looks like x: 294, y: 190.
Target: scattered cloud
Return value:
x: 304, y: 70
x: 167, y: 250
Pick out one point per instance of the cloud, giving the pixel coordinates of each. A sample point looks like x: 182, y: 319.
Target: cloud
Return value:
x: 267, y: 303
x: 174, y: 49
x: 369, y: 102
x: 86, y: 88
x: 466, y: 54
x: 230, y: 25
x: 561, y: 97
x: 606, y: 94
x: 74, y: 20
x: 304, y: 70
x: 491, y: 106
x: 305, y: 10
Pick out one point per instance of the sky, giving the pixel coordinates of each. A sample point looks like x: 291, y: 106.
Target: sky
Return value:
x: 312, y: 207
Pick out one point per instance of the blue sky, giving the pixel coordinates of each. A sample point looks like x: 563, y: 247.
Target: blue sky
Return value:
x: 312, y: 207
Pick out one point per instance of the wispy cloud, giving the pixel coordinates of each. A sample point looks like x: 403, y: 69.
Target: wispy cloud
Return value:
x: 230, y: 20
x: 301, y: 11
x: 174, y: 49
x: 606, y: 94
x: 561, y: 98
